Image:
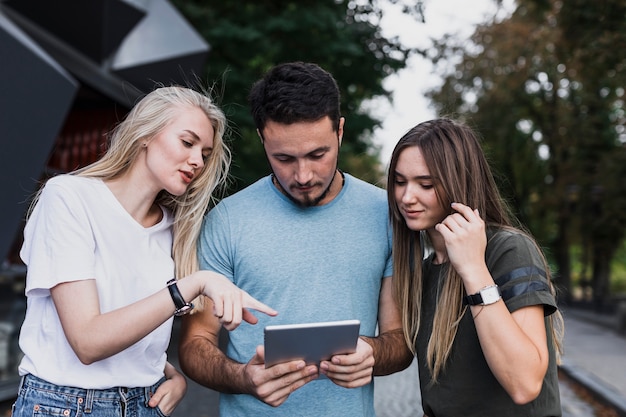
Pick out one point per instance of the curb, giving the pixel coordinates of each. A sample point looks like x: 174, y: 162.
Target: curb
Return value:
x: 599, y: 389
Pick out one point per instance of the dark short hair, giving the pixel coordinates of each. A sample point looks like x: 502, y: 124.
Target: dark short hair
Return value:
x: 295, y: 92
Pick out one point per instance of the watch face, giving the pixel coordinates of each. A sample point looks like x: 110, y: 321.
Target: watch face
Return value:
x: 184, y: 310
x: 490, y: 295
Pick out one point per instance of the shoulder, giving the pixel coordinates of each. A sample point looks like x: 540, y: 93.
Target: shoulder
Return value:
x: 510, y: 241
x: 68, y: 187
x: 512, y: 254
x: 365, y: 190
x: 363, y: 185
x: 519, y: 268
x: 68, y: 182
x: 255, y: 191
x: 244, y: 203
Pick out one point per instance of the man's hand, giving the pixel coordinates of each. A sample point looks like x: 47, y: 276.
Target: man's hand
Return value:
x: 274, y: 385
x: 352, y: 370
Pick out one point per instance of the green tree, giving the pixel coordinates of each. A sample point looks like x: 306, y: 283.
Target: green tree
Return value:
x: 545, y: 88
x: 248, y: 37
x: 599, y: 61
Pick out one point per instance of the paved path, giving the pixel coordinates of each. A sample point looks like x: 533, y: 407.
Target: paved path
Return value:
x: 594, y: 356
x: 398, y: 395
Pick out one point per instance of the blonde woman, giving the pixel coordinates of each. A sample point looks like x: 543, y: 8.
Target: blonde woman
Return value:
x: 103, y: 248
x: 478, y: 307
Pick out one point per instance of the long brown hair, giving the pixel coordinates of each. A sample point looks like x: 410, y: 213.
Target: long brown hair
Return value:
x: 461, y: 173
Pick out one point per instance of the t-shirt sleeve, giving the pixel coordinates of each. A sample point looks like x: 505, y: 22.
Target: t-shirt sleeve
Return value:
x: 518, y: 269
x: 213, y: 243
x: 58, y: 241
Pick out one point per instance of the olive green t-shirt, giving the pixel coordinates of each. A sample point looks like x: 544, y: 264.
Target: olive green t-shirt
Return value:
x: 467, y: 387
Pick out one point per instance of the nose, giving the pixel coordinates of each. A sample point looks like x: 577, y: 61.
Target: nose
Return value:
x: 196, y: 160
x: 409, y: 195
x: 303, y: 174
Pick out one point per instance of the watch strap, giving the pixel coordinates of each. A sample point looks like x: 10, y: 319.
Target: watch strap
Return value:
x: 182, y: 307
x: 477, y: 299
x: 473, y: 299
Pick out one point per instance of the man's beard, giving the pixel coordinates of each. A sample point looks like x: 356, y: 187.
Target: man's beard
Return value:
x: 306, y: 202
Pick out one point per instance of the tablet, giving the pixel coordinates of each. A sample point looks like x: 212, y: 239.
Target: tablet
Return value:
x: 312, y: 342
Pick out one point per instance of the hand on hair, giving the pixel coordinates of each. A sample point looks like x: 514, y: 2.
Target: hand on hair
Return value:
x: 465, y: 238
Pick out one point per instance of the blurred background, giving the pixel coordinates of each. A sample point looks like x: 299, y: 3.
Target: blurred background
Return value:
x: 541, y: 80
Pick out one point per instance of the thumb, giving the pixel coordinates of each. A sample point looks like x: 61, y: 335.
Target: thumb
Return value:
x: 259, y: 357
x: 156, y: 398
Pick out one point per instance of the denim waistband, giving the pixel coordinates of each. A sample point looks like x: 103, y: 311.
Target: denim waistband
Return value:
x: 122, y: 394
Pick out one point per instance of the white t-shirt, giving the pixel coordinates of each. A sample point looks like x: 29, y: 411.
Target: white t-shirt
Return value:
x: 79, y: 230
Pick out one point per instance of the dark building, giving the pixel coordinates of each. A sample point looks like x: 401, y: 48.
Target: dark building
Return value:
x: 69, y: 71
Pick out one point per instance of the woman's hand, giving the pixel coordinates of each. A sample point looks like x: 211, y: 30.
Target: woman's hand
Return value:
x: 230, y: 303
x: 171, y: 392
x: 466, y: 240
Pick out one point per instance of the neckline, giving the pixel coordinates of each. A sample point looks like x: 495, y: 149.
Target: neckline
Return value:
x: 120, y: 207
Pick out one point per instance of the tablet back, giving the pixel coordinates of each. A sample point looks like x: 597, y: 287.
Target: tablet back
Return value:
x: 312, y: 342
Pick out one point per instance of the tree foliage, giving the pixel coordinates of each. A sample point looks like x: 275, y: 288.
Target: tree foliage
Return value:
x: 545, y: 87
x: 248, y: 37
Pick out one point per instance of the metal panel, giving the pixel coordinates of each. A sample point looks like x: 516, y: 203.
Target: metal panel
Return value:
x: 35, y: 96
x: 163, y: 47
x: 94, y: 27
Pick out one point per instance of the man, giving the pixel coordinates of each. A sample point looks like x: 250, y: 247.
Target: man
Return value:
x: 309, y: 241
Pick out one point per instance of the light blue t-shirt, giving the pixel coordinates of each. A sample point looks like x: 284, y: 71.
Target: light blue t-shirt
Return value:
x: 311, y: 264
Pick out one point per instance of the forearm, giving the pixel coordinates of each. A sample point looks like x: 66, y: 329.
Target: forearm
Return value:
x: 391, y: 353
x: 517, y: 356
x: 514, y: 345
x: 203, y: 361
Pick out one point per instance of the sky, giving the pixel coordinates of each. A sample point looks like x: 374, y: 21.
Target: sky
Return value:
x: 410, y: 107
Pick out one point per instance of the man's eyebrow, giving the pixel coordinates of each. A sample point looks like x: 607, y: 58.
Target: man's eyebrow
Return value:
x: 314, y: 151
x: 320, y: 149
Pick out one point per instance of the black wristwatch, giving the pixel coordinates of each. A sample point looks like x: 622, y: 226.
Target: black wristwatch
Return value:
x: 485, y: 296
x: 182, y: 307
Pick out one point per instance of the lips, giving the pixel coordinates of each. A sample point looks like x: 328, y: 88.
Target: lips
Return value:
x: 412, y: 213
x: 304, y: 188
x: 186, y: 176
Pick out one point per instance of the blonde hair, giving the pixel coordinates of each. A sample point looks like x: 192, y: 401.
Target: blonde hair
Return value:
x: 147, y: 119
x: 457, y: 163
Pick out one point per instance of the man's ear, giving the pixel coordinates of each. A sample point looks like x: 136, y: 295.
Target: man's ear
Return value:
x: 258, y: 132
x: 342, y: 121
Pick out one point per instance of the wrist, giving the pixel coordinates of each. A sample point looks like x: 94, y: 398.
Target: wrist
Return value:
x: 181, y: 306
x: 476, y: 279
x: 487, y: 295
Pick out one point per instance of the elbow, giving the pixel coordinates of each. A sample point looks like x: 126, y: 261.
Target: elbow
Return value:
x: 85, y: 358
x: 86, y: 353
x: 526, y: 394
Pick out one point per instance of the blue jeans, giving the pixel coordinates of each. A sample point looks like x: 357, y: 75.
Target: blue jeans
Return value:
x: 37, y: 397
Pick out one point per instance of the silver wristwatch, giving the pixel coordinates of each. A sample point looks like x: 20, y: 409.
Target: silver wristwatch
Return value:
x: 485, y: 296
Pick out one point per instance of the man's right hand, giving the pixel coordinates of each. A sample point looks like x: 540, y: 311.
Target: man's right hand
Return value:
x: 274, y: 385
